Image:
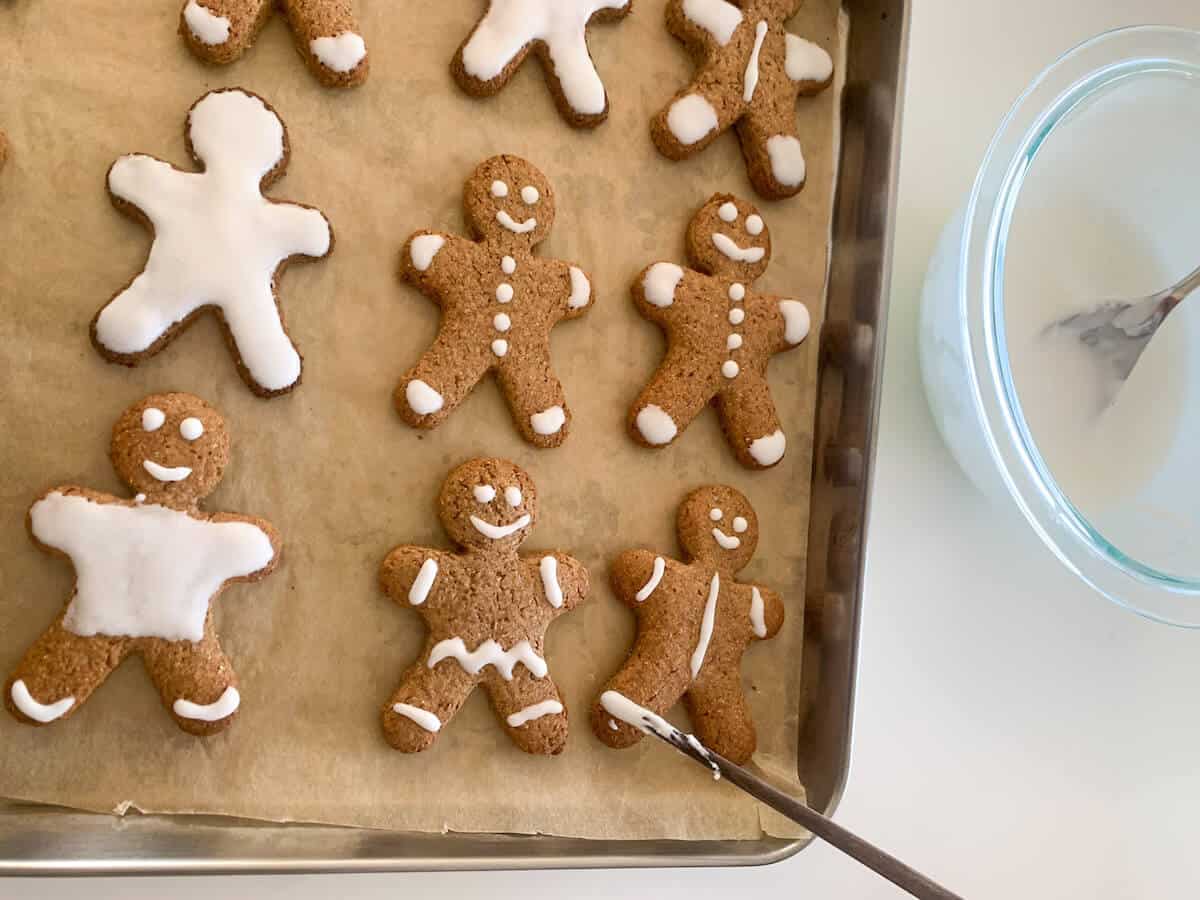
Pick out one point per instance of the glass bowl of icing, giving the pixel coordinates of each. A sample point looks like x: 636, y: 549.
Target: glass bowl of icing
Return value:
x: 1090, y: 191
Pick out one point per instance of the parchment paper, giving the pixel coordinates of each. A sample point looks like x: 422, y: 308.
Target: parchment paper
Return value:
x: 317, y: 646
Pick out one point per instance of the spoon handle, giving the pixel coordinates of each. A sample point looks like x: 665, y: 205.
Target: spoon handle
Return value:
x: 1185, y: 286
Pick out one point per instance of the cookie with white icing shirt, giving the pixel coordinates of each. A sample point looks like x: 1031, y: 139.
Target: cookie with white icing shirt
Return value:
x: 499, y: 302
x: 694, y: 622
x: 218, y: 244
x: 325, y: 32
x: 751, y: 70
x: 486, y: 608
x: 557, y: 31
x: 147, y: 569
x: 721, y: 333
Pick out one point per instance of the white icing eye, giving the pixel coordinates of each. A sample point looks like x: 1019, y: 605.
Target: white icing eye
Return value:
x: 740, y: 524
x: 512, y: 494
x: 191, y: 428
x: 715, y: 514
x: 530, y: 195
x: 153, y: 418
x: 499, y: 189
x: 728, y: 212
x: 754, y: 224
x: 484, y: 493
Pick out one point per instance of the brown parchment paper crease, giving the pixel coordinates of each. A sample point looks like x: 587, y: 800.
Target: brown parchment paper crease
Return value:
x: 317, y: 646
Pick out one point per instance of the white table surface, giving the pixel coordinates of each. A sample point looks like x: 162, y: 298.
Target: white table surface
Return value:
x: 1016, y: 736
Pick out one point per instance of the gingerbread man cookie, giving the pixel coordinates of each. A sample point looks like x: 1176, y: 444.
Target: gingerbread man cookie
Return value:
x: 751, y: 70
x: 694, y: 622
x: 487, y: 609
x: 501, y: 40
x: 499, y: 302
x: 218, y: 242
x: 146, y: 572
x: 325, y: 32
x: 720, y: 335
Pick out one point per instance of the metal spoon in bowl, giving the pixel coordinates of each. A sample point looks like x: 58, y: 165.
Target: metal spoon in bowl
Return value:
x: 1118, y: 331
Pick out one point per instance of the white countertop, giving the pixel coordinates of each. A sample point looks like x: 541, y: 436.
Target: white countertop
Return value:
x: 1015, y: 736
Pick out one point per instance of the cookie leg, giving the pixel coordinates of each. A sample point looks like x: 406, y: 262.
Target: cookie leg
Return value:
x: 132, y: 324
x: 219, y: 31
x: 195, y: 680
x: 695, y: 117
x: 655, y: 676
x: 531, y: 709
x: 59, y: 672
x: 441, y: 380
x: 750, y: 422
x: 574, y: 81
x: 327, y: 37
x: 493, y: 52
x: 774, y: 157
x: 668, y: 404
x: 716, y: 704
x: 535, y: 396
x: 426, y: 700
x: 267, y: 359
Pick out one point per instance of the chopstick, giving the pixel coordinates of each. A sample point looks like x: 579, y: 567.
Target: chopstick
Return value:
x: 899, y: 874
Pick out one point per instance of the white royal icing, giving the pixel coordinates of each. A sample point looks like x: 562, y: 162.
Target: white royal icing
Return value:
x: 534, y: 711
x: 508, y: 265
x: 424, y: 248
x: 423, y: 583
x: 717, y: 17
x: 757, y: 622
x: 727, y: 541
x: 613, y: 726
x: 145, y: 571
x: 560, y: 24
x: 740, y: 524
x: 166, y: 473
x: 751, y: 78
x: 500, y: 347
x: 489, y: 653
x: 737, y: 316
x: 501, y: 322
x: 191, y: 429
x: 730, y: 369
x: 656, y: 574
x: 690, y: 118
x: 499, y: 189
x: 729, y: 247
x: 422, y: 399
x: 655, y: 425
x: 512, y: 495
x: 787, y: 159
x: 217, y: 240
x: 153, y: 418
x: 504, y: 292
x: 768, y: 449
x: 340, y: 53
x: 548, y: 568
x: 513, y: 225
x: 139, y: 498
x: 39, y: 712
x: 734, y: 341
x: 581, y: 289
x: 754, y: 224
x: 422, y: 717
x: 737, y: 292
x: 484, y: 493
x: 621, y: 707
x: 548, y: 421
x: 796, y: 320
x: 205, y: 25
x: 805, y: 61
x: 224, y: 706
x: 499, y: 532
x: 727, y: 211
x: 660, y: 283
x: 530, y: 195
x: 706, y: 624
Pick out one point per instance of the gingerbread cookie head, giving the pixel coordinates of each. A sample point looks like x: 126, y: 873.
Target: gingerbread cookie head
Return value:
x: 728, y: 238
x: 172, y: 448
x: 237, y: 130
x: 489, y: 504
x: 717, y: 526
x: 508, y: 201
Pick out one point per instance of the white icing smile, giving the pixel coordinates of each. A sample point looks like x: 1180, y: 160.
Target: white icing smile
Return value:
x: 164, y: 473
x: 513, y: 225
x: 727, y: 541
x: 726, y: 245
x: 499, y: 532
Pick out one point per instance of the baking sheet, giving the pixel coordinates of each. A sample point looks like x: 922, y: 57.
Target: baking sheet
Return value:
x: 317, y: 647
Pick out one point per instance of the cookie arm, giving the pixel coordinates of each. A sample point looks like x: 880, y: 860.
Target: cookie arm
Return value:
x: 145, y: 183
x: 709, y: 23
x: 326, y: 35
x: 303, y: 230
x: 772, y: 613
x: 564, y: 580
x: 574, y: 288
x: 661, y: 288
x: 636, y: 574
x: 430, y: 260
x: 250, y: 542
x: 53, y: 518
x: 416, y: 576
x: 791, y: 324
